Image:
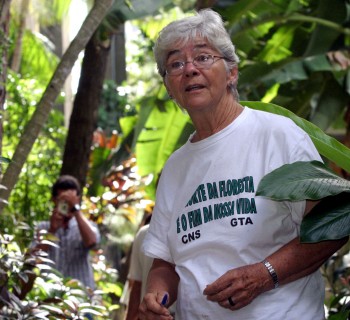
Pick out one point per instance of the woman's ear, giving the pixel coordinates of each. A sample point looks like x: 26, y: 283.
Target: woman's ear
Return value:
x: 233, y: 77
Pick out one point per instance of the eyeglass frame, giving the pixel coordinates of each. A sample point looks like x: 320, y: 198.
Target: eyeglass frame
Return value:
x: 183, y: 63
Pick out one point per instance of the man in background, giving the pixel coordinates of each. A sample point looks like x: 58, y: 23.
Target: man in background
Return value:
x: 73, y: 233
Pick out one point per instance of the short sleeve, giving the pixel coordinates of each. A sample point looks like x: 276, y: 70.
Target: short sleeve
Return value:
x: 305, y: 150
x: 156, y: 244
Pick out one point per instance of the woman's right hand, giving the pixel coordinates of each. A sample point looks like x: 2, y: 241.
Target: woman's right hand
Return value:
x: 151, y: 307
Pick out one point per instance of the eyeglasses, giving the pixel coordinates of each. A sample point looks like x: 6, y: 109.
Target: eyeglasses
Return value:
x: 202, y: 61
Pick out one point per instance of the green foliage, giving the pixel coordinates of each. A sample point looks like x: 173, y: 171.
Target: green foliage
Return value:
x: 114, y: 104
x: 37, y: 60
x: 52, y: 11
x: 106, y: 279
x: 29, y: 200
x: 164, y: 131
x: 32, y: 289
x: 47, y: 12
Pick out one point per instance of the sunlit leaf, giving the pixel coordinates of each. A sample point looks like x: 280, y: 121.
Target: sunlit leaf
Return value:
x: 90, y: 310
x: 278, y: 47
x: 53, y: 309
x: 71, y: 305
x: 49, y: 243
x: 43, y: 266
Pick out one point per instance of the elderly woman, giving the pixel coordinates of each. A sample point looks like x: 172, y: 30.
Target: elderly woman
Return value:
x: 219, y: 250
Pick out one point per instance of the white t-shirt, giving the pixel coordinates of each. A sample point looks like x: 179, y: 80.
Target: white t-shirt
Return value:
x: 208, y: 220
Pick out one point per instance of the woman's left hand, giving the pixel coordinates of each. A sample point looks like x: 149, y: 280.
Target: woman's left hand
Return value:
x: 239, y: 287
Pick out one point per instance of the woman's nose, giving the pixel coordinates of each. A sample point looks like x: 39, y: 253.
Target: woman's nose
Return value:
x: 190, y: 68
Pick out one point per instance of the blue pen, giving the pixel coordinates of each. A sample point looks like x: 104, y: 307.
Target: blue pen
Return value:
x: 164, y: 300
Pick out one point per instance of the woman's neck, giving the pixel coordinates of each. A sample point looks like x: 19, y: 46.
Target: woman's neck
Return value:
x: 213, y: 122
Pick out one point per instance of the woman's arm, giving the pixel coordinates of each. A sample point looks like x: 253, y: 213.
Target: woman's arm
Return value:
x: 296, y: 260
x: 291, y: 262
x: 162, y: 279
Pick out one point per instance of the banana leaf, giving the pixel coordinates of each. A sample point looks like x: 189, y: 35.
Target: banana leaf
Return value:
x: 302, y: 180
x: 330, y: 218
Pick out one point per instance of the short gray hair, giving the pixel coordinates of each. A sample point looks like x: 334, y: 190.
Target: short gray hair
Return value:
x: 206, y: 24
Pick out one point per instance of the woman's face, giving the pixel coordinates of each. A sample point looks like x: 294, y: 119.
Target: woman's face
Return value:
x: 196, y: 89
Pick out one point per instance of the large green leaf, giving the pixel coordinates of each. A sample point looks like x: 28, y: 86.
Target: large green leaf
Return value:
x: 329, y: 220
x: 327, y: 146
x: 163, y: 131
x: 159, y: 137
x: 302, y: 180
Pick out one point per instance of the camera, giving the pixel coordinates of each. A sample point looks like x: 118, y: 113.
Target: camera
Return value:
x: 63, y: 207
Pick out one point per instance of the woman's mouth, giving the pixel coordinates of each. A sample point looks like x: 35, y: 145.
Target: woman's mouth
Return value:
x: 194, y: 87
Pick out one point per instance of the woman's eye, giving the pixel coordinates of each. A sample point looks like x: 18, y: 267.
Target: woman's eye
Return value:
x: 203, y: 58
x: 176, y: 65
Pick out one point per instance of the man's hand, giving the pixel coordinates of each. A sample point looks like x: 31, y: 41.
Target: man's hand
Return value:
x: 70, y: 197
x: 56, y: 220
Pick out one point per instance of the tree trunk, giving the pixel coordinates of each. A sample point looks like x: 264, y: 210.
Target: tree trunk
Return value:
x: 47, y: 101
x: 4, y: 30
x: 84, y: 115
x: 17, y: 54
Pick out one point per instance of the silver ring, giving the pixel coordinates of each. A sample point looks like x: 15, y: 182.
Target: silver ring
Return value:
x: 230, y: 301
